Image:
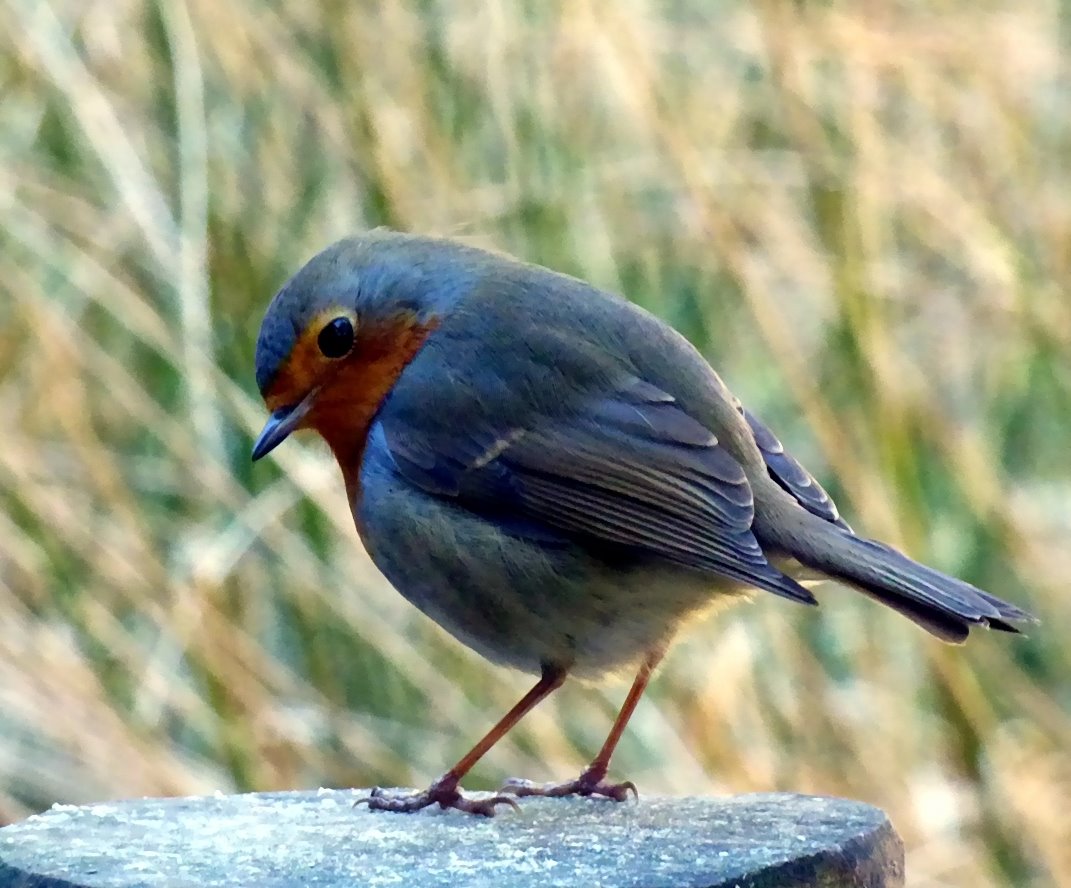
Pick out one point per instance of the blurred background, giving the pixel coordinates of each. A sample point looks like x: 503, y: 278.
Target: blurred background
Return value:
x: 861, y: 213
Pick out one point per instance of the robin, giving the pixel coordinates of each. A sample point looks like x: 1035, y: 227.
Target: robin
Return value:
x: 554, y: 475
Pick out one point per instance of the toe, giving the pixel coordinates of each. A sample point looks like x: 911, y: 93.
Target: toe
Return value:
x: 619, y: 792
x: 519, y: 787
x: 583, y: 786
x: 485, y: 807
x: 446, y: 797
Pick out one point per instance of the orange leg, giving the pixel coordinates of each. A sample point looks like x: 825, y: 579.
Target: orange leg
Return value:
x: 444, y: 791
x: 592, y: 780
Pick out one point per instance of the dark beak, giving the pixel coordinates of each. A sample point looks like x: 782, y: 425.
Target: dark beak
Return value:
x: 281, y: 423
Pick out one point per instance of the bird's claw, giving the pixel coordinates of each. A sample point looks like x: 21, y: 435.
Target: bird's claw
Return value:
x: 584, y: 785
x: 443, y: 794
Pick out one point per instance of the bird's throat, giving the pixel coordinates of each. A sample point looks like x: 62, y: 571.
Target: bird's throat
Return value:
x: 350, y: 399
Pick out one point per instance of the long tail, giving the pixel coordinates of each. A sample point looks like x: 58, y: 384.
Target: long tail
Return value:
x: 941, y: 604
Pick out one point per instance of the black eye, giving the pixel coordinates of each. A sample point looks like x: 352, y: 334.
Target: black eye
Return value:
x: 336, y: 339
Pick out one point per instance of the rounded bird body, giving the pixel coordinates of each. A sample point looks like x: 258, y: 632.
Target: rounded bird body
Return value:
x: 520, y: 597
x: 551, y: 473
x: 528, y: 354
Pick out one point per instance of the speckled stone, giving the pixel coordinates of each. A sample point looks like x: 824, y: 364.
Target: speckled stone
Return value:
x: 285, y: 840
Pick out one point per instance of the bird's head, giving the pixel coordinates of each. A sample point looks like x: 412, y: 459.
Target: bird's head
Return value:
x: 337, y: 336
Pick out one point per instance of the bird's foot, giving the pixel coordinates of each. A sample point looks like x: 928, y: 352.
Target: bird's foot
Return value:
x: 591, y: 783
x: 443, y: 792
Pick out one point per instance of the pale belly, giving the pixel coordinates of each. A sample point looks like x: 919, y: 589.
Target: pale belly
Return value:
x: 527, y: 603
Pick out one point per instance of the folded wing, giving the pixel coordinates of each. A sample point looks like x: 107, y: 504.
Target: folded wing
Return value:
x: 630, y: 468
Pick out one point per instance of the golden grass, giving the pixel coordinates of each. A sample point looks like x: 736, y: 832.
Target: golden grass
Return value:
x: 860, y: 212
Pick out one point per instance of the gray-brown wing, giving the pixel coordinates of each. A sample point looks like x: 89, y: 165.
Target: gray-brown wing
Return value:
x: 792, y: 476
x: 631, y: 469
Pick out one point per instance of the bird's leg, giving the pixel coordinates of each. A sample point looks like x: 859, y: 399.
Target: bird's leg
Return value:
x: 444, y: 791
x: 592, y: 781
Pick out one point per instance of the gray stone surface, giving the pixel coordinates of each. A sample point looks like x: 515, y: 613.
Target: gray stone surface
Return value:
x: 282, y: 840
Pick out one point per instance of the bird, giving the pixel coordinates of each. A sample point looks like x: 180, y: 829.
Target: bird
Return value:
x: 554, y: 475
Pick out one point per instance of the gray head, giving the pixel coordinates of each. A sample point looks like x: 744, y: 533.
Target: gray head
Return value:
x: 336, y: 328
x: 370, y: 278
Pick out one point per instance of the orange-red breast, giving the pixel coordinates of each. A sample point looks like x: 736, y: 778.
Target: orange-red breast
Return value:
x: 552, y: 474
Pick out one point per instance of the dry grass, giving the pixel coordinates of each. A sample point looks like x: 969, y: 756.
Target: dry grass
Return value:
x: 861, y: 212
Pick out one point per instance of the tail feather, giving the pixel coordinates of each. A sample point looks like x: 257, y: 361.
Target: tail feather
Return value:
x: 940, y: 604
x: 948, y: 628
x: 895, y: 572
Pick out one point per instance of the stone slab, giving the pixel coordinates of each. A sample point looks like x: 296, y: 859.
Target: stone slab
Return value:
x: 286, y: 840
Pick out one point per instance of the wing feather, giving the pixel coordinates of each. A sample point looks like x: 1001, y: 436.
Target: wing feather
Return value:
x: 629, y: 468
x: 791, y: 475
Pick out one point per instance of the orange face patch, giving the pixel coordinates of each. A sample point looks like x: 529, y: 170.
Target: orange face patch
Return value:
x: 306, y: 367
x: 351, y: 388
